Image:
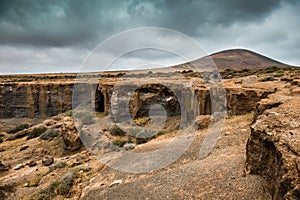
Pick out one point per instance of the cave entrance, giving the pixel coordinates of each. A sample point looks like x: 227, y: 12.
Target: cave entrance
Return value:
x: 99, y: 101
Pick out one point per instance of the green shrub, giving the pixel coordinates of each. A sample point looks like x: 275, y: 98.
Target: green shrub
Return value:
x: 267, y: 79
x: 60, y: 164
x: 272, y: 69
x: 18, y: 128
x: 36, y: 132
x: 85, y: 116
x: 120, y: 142
x: 160, y: 132
x: 69, y: 113
x: 279, y: 75
x: 64, y: 186
x: 116, y: 130
x: 45, y: 194
x: 1, y: 139
x: 281, y: 71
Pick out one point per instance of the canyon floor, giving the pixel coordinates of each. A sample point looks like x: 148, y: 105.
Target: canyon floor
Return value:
x: 55, y: 165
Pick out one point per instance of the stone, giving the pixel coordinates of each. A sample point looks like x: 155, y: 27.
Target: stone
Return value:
x: 3, y: 167
x: 49, y: 122
x: 202, y: 121
x: 56, y: 118
x: 22, y: 148
x: 31, y: 163
x: 70, y: 136
x: 47, y: 160
x: 19, y: 166
x: 129, y: 146
x: 116, y: 182
x: 49, y: 134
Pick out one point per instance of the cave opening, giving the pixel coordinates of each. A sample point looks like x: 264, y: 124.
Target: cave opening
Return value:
x: 99, y: 101
x: 147, y: 96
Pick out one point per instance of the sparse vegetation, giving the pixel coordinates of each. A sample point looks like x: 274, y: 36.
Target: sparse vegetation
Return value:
x: 86, y: 117
x: 190, y: 73
x: 60, y: 164
x: 269, y: 78
x: 61, y: 187
x: 279, y: 75
x: 116, y: 131
x: 272, y: 69
x: 160, y: 132
x: 18, y: 128
x: 120, y: 142
x: 36, y: 132
x: 101, y: 114
x: 142, y: 121
x: 69, y: 113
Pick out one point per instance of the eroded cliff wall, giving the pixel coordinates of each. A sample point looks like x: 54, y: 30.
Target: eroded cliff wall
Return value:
x: 48, y: 99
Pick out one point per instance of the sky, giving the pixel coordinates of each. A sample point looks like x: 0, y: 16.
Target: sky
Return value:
x: 59, y: 35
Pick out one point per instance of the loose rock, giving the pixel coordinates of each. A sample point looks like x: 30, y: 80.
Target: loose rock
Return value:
x: 47, y: 160
x: 19, y: 166
x: 24, y: 148
x: 3, y: 167
x: 116, y: 182
x: 31, y: 163
x: 129, y: 146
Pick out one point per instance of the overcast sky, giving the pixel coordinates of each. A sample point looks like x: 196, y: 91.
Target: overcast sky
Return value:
x: 56, y: 35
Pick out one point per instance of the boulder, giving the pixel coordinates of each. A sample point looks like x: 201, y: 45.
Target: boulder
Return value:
x: 70, y: 136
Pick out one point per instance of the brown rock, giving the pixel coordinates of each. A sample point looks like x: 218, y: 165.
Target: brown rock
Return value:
x: 273, y: 148
x: 202, y: 121
x: 47, y: 160
x: 31, y: 163
x: 22, y: 148
x: 49, y: 122
x: 3, y: 167
x: 238, y: 82
x: 56, y: 118
x: 70, y: 136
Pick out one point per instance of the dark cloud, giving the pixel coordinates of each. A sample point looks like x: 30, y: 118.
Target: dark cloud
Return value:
x: 74, y: 26
x: 71, y: 22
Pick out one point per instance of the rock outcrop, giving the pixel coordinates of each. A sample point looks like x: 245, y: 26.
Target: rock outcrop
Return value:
x: 70, y: 136
x: 49, y: 98
x: 273, y: 149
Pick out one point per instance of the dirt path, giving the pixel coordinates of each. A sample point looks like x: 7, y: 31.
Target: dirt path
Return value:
x: 219, y: 176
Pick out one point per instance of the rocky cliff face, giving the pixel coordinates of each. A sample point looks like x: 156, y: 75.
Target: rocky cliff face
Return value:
x: 33, y: 100
x: 48, y: 99
x: 273, y: 149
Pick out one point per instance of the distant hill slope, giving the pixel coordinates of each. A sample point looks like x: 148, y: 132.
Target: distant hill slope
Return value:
x: 233, y: 59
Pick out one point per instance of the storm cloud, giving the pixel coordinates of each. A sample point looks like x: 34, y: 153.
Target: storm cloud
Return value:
x: 34, y: 34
